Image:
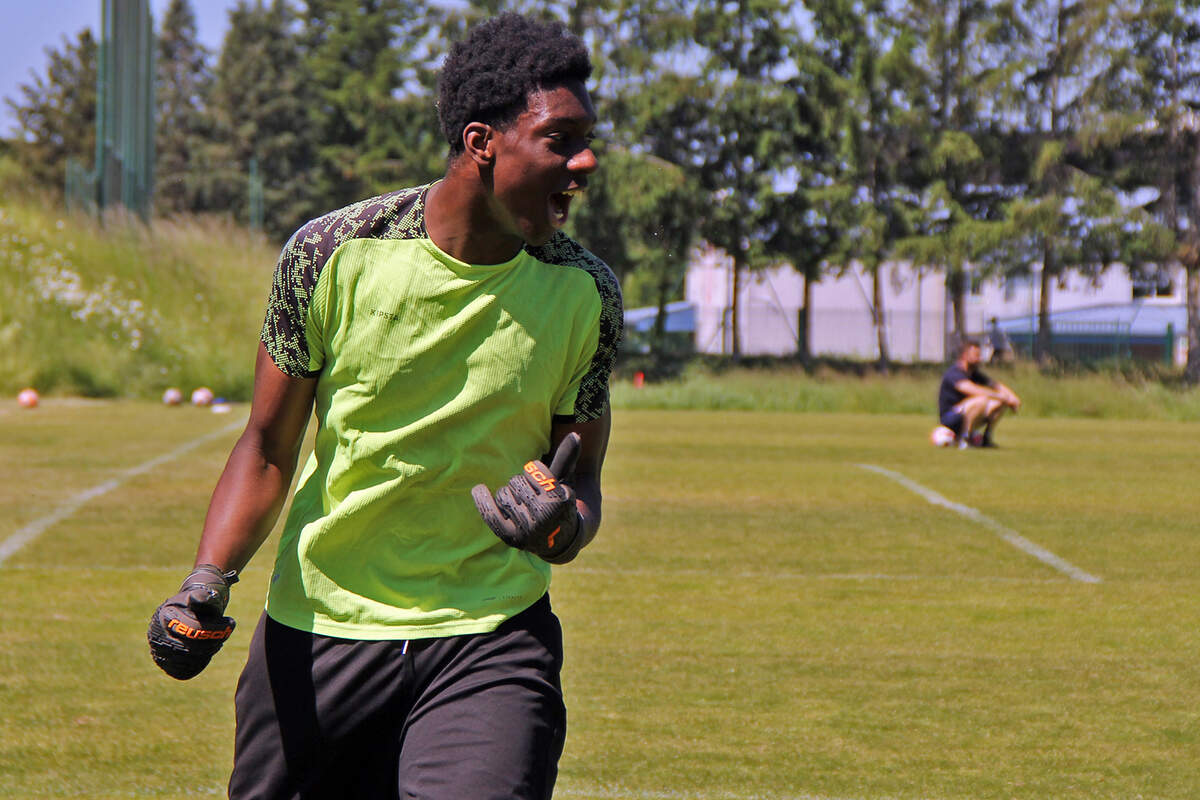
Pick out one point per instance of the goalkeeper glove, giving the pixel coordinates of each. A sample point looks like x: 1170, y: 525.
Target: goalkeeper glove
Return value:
x: 535, y: 510
x: 189, y: 627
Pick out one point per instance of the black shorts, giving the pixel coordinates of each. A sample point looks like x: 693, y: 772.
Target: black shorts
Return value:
x: 477, y: 716
x: 953, y: 419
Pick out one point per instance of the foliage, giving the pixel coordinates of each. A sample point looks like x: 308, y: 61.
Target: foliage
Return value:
x: 639, y: 216
x: 56, y: 113
x: 369, y: 111
x: 184, y: 84
x: 260, y: 113
x: 1162, y: 95
x: 871, y: 120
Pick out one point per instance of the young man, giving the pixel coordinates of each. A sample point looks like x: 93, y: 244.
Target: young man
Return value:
x: 447, y: 336
x: 969, y: 402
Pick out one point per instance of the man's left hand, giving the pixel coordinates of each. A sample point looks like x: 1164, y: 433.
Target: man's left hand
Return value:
x: 536, y: 510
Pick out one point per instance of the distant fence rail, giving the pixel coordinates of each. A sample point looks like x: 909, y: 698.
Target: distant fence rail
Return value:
x: 1099, y: 341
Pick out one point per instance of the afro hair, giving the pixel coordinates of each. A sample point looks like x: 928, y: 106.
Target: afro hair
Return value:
x: 489, y: 76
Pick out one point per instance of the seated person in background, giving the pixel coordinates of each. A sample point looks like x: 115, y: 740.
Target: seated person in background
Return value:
x: 969, y: 402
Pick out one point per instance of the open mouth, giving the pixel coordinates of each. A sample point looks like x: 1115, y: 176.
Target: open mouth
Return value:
x: 560, y: 206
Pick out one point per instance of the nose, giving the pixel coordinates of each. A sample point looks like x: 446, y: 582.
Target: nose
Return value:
x: 584, y: 161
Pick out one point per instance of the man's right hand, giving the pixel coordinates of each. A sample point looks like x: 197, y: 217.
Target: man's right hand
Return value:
x: 190, y: 626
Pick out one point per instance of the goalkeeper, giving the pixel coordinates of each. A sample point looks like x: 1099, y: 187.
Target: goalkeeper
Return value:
x: 456, y: 347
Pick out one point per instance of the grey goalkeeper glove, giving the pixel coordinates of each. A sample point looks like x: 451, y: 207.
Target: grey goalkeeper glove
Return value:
x: 536, y: 509
x: 188, y: 629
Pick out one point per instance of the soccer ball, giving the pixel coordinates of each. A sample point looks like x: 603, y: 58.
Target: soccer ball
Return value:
x: 941, y: 436
x: 202, y: 396
x: 172, y: 396
x: 27, y: 398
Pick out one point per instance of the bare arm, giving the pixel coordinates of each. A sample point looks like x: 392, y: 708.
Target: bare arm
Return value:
x: 254, y: 484
x: 997, y: 391
x: 593, y: 447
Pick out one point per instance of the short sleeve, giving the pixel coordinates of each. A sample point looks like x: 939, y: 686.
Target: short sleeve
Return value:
x: 591, y: 396
x: 288, y: 331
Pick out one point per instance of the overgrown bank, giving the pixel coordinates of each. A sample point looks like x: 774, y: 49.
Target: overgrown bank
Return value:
x: 124, y: 309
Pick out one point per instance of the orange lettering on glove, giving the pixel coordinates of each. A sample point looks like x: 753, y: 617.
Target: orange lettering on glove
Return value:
x: 188, y: 632
x: 545, y: 480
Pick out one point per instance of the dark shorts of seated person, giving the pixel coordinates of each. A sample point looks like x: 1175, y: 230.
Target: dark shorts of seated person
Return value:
x: 953, y: 419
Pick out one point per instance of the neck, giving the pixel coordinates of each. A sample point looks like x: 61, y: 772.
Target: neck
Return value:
x: 461, y: 219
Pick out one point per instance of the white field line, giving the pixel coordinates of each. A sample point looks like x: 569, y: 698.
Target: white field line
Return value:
x: 779, y: 575
x: 620, y: 793
x: 1007, y: 534
x: 28, y: 533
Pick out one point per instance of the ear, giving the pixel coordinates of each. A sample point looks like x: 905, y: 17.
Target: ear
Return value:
x: 479, y: 140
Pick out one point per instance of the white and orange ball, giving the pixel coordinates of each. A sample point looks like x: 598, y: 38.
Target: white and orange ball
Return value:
x: 27, y: 398
x: 172, y: 396
x: 202, y: 396
x: 941, y: 436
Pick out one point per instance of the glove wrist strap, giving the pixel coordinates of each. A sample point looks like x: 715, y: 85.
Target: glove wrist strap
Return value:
x: 228, y: 577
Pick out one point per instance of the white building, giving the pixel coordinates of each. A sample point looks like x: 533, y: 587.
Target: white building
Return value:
x: 916, y: 308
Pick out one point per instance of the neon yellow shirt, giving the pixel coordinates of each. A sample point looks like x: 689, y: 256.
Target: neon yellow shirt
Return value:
x: 433, y: 375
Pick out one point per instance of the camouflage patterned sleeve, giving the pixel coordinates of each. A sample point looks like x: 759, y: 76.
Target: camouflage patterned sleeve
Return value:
x: 285, y: 329
x: 398, y: 215
x: 592, y: 399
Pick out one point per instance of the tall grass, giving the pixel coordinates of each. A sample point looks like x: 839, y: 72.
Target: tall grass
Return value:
x: 1101, y: 394
x: 119, y: 308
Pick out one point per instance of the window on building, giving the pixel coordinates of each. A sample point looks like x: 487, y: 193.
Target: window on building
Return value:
x: 1152, y: 283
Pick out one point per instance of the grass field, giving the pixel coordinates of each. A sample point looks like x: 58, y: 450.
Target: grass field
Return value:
x: 763, y: 615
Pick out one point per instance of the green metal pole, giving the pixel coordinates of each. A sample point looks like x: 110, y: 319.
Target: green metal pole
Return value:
x: 103, y: 102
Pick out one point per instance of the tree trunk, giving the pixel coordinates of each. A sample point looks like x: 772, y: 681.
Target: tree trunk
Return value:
x: 658, y: 334
x: 735, y: 337
x: 956, y: 287
x: 878, y: 318
x: 1043, y: 346
x: 1191, y: 372
x: 804, y: 323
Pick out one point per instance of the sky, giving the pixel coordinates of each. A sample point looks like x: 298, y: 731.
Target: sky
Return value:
x: 29, y: 28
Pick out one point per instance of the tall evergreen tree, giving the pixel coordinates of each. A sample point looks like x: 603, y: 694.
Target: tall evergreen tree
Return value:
x: 1067, y: 216
x: 871, y: 71
x: 56, y: 113
x: 260, y: 115
x: 184, y: 81
x: 961, y: 54
x: 370, y: 91
x: 1165, y: 94
x: 721, y: 102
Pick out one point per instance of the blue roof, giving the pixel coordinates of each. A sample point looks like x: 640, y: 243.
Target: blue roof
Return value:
x: 1139, y: 318
x: 681, y: 318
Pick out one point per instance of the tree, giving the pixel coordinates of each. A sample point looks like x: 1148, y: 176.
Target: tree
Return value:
x: 869, y: 72
x: 960, y: 56
x: 184, y: 81
x: 639, y: 216
x: 1065, y: 64
x: 260, y: 113
x: 56, y: 113
x: 722, y: 104
x: 370, y: 93
x: 1165, y: 94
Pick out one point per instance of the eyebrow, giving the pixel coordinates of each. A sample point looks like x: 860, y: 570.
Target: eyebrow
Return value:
x: 587, y: 119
